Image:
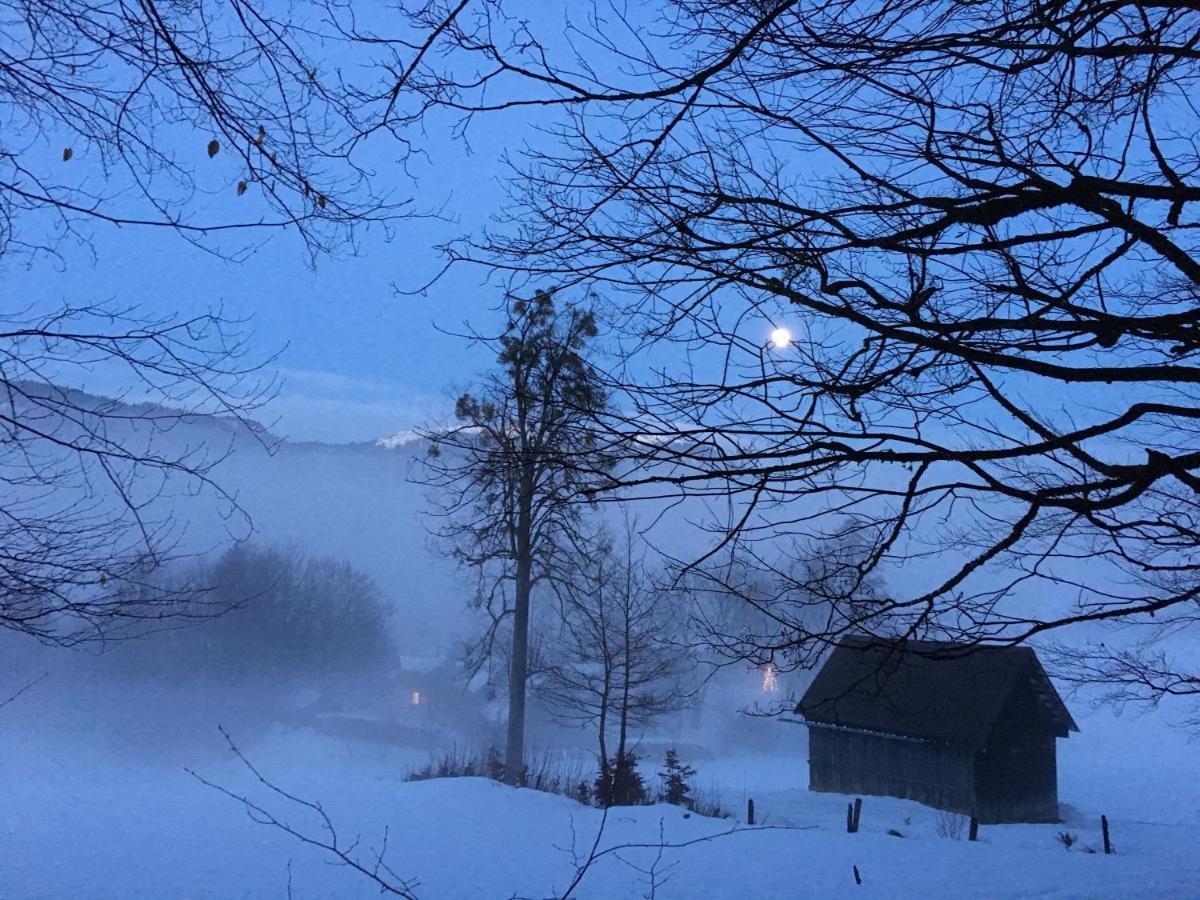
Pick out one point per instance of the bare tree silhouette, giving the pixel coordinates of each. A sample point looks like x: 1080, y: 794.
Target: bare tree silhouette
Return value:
x: 170, y: 102
x: 616, y: 661
x: 509, y: 475
x: 81, y: 531
x: 218, y: 120
x: 978, y: 219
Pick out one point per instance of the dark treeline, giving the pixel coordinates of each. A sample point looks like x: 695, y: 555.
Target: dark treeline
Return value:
x: 292, y: 616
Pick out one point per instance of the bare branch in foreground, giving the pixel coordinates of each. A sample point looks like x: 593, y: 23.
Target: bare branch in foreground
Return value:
x: 653, y: 871
x: 4, y: 703
x: 375, y: 869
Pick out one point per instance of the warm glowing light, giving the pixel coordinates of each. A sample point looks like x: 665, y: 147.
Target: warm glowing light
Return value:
x: 416, y: 698
x: 770, y: 682
x: 781, y: 338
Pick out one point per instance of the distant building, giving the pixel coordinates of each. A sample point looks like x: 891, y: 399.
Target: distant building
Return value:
x: 971, y: 730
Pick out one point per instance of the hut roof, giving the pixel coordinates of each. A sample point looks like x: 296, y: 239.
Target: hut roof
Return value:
x: 931, y: 690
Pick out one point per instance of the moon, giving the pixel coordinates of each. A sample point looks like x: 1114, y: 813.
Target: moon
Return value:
x: 781, y: 338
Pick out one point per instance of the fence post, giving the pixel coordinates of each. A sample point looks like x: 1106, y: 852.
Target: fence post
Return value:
x: 1104, y: 828
x: 849, y: 818
x: 750, y: 811
x: 857, y: 877
x: 857, y: 812
x: 973, y: 834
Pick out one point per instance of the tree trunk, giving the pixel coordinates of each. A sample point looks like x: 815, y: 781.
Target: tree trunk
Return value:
x: 604, y: 702
x: 626, y: 650
x: 518, y: 672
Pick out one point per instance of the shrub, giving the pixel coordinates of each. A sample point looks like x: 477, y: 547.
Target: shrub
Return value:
x: 546, y: 773
x: 706, y: 803
x: 494, y: 764
x: 549, y: 773
x: 950, y: 825
x: 452, y: 763
x: 583, y: 793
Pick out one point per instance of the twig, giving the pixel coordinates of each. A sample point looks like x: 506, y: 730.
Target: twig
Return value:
x: 23, y: 690
x: 379, y: 872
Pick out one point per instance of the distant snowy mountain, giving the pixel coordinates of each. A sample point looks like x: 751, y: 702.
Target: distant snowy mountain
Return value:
x: 356, y: 502
x: 399, y: 439
x: 349, y: 501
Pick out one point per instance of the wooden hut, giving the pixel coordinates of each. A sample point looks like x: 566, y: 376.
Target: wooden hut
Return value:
x: 971, y: 730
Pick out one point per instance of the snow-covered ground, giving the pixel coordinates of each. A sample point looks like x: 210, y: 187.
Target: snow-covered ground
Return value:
x: 85, y: 818
x: 96, y: 800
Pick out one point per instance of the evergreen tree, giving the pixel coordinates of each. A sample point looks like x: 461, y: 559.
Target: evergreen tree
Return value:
x: 675, y: 780
x: 622, y: 784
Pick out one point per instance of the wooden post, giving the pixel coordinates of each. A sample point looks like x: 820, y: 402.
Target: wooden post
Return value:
x: 857, y: 877
x: 849, y: 818
x: 973, y: 834
x: 857, y: 812
x: 1104, y: 828
x: 750, y: 811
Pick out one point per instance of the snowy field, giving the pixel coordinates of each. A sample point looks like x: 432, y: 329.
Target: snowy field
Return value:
x: 87, y: 815
x: 96, y: 800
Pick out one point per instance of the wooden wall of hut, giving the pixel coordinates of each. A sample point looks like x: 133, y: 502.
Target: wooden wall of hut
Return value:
x: 848, y: 762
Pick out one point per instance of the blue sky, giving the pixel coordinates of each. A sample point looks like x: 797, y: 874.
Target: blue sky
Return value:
x: 359, y: 358
x: 359, y: 354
